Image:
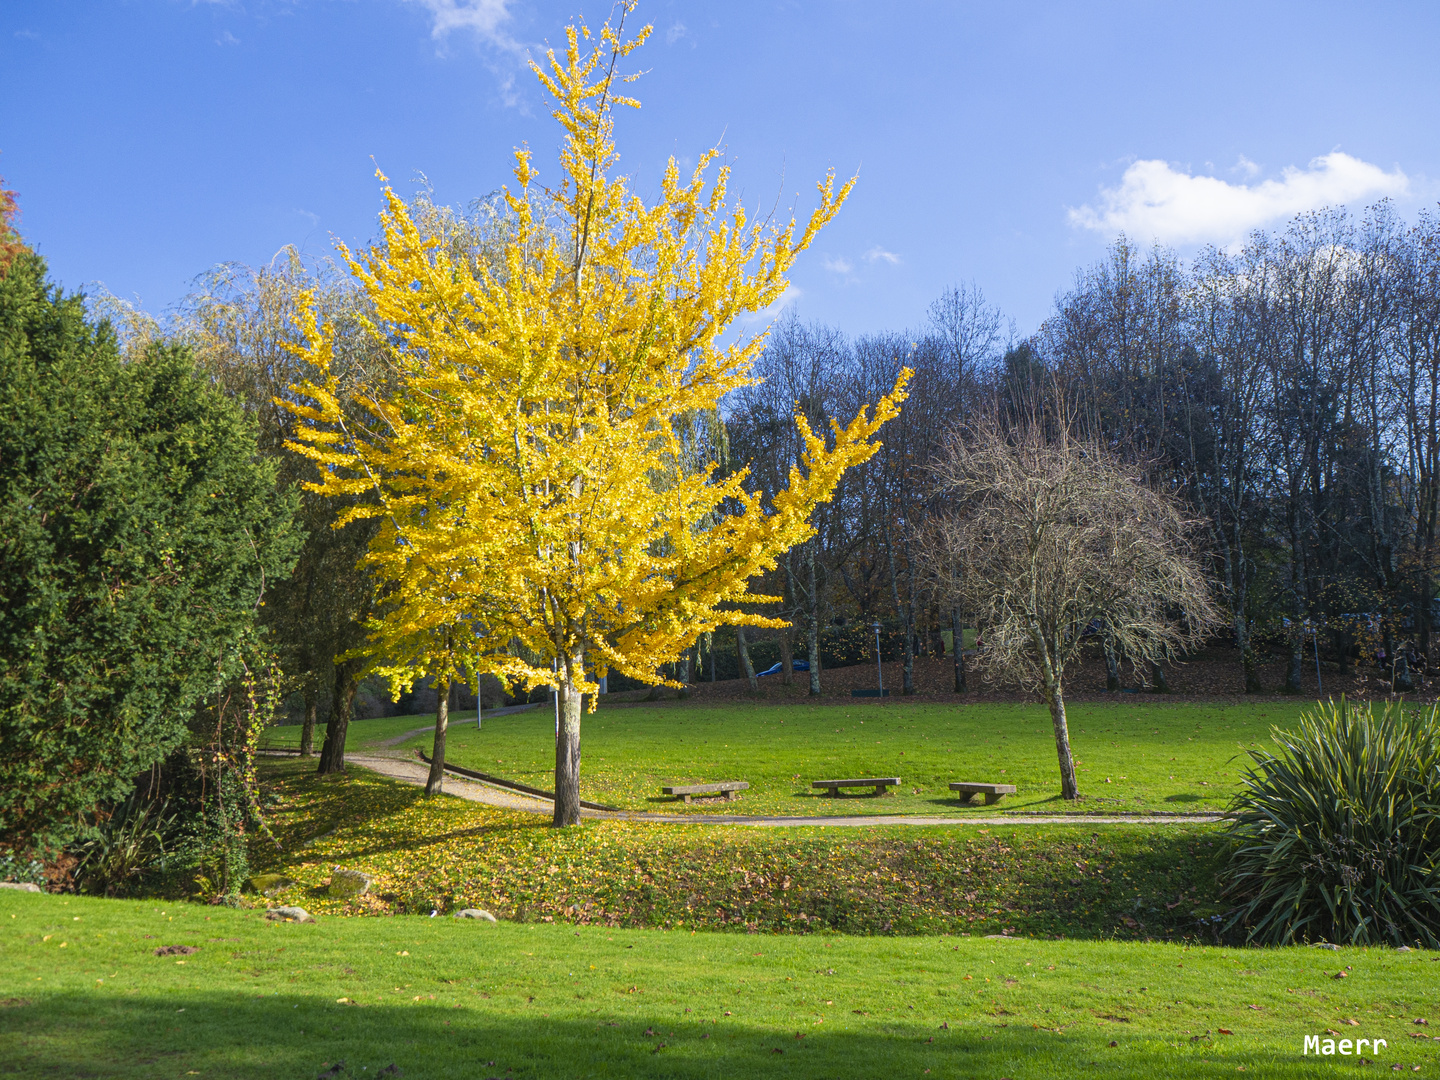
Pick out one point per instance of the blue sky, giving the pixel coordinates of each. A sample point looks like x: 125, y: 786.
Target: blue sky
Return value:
x: 1001, y: 142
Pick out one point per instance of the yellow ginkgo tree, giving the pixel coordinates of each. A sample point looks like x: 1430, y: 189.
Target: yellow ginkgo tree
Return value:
x: 524, y: 458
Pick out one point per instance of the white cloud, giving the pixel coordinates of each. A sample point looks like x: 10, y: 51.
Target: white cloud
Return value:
x: 837, y: 266
x: 28, y: 35
x: 483, y: 17
x: 1246, y: 166
x: 1155, y: 201
x: 879, y: 254
x: 227, y: 38
x: 675, y: 33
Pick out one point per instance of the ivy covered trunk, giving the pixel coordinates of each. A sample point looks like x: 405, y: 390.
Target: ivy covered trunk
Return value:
x: 342, y: 703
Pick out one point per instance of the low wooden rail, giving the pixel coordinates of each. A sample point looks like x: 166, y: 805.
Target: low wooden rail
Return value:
x: 500, y: 781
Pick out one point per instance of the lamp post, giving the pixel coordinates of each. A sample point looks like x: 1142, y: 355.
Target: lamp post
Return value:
x: 879, y: 671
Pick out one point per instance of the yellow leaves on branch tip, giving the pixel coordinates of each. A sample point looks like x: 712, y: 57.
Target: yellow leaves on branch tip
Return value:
x: 523, y: 456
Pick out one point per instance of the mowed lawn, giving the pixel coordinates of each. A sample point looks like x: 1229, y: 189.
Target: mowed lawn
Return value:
x: 82, y: 994
x: 1132, y: 756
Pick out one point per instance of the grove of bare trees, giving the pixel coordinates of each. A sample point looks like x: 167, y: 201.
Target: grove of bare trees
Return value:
x: 1287, y: 394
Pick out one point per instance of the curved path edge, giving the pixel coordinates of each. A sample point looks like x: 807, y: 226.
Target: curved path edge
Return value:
x: 411, y: 772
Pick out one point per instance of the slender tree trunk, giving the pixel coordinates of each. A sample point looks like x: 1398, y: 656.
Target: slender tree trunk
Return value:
x: 787, y: 644
x: 435, y: 783
x: 1245, y: 645
x: 684, y: 679
x: 1055, y: 698
x: 1296, y: 636
x: 1400, y: 681
x: 957, y: 636
x: 657, y: 693
x: 907, y: 681
x: 1340, y: 642
x: 910, y: 633
x: 342, y: 703
x: 307, y: 732
x: 743, y: 648
x: 1052, y: 688
x: 1158, y: 683
x: 812, y: 621
x: 567, y: 746
x: 710, y: 648
x: 1112, y: 665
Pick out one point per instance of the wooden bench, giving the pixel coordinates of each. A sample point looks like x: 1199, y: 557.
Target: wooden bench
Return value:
x: 992, y: 792
x: 879, y: 783
x: 726, y: 787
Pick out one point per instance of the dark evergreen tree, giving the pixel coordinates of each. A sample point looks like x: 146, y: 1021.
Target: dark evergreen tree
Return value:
x: 139, y: 530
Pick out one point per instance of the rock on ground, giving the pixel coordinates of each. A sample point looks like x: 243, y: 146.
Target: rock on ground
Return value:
x: 475, y: 913
x: 289, y: 914
x: 23, y: 886
x: 346, y: 883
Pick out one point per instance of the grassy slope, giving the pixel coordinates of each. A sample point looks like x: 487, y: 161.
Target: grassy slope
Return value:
x: 1155, y: 756
x: 82, y: 995
x: 448, y: 853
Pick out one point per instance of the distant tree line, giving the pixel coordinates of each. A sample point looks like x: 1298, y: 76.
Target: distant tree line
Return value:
x: 1288, y: 392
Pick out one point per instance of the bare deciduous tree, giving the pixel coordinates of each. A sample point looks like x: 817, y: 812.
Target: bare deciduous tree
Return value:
x: 1056, y: 539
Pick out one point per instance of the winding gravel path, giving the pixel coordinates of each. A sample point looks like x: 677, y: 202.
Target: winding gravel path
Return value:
x: 410, y: 771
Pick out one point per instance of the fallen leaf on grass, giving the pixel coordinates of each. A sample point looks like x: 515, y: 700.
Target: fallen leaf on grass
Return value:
x: 1225, y: 1031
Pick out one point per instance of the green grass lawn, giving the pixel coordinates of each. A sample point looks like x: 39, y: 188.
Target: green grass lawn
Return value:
x: 1132, y: 756
x: 82, y: 995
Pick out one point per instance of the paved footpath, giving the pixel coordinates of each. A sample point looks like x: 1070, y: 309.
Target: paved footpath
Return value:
x: 413, y: 772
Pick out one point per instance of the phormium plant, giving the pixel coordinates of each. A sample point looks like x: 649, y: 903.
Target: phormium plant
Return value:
x: 1337, y: 835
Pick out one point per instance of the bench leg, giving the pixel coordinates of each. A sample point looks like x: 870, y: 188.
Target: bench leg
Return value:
x: 686, y: 798
x: 991, y: 798
x: 833, y: 792
x: 729, y: 796
x: 965, y: 797
x: 879, y: 789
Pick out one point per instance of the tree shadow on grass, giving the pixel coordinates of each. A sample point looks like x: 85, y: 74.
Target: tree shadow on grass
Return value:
x: 265, y: 1037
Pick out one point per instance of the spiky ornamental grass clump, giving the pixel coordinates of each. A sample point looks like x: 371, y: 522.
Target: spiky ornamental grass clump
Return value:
x: 1337, y: 836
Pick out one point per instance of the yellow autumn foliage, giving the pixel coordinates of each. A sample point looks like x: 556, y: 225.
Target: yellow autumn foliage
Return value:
x: 525, y: 459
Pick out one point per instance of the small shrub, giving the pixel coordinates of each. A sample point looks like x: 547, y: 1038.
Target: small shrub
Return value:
x: 133, y: 842
x: 14, y: 867
x: 1337, y: 836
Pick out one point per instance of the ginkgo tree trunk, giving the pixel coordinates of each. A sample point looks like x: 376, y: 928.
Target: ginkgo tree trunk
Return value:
x: 526, y: 449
